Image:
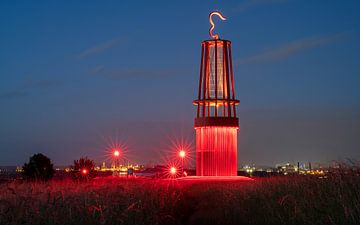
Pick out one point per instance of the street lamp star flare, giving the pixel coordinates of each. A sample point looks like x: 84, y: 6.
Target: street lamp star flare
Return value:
x: 182, y: 154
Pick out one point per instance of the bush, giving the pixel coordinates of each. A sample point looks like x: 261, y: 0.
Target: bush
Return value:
x: 83, y: 169
x: 38, y: 168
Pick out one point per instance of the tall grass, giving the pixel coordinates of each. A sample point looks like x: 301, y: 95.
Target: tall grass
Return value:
x: 283, y: 200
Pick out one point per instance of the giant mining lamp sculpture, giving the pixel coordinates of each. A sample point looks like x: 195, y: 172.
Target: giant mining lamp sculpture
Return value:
x: 216, y: 123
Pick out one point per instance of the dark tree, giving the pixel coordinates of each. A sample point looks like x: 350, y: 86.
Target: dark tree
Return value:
x: 39, y: 168
x: 84, y: 168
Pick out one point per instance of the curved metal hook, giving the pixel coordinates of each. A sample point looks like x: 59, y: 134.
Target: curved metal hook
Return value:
x: 217, y: 13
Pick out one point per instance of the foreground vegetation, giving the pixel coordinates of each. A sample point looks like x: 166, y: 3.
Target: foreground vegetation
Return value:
x: 282, y: 200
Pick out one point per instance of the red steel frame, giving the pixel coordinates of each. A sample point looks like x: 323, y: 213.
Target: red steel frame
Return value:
x: 216, y: 123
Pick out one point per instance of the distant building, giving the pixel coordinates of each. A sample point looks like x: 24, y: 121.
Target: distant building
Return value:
x: 286, y: 168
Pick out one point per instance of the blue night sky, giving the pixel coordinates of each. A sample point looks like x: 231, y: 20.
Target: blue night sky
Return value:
x: 76, y: 75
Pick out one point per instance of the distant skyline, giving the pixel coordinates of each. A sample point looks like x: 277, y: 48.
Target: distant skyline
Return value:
x: 76, y: 75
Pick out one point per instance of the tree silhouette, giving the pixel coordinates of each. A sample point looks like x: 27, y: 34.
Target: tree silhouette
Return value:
x: 84, y: 168
x: 38, y: 168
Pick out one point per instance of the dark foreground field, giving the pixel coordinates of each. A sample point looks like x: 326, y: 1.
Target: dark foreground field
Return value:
x: 287, y: 200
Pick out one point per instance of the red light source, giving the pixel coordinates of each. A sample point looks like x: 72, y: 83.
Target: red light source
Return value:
x: 173, y: 170
x: 182, y: 154
x: 116, y: 153
x: 116, y: 149
x: 84, y: 171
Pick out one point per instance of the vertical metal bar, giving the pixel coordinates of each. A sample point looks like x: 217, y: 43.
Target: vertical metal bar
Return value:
x: 231, y: 73
x: 216, y: 78
x: 208, y: 79
x: 232, y: 80
x: 200, y: 81
x: 223, y: 76
x: 205, y: 78
x: 227, y: 78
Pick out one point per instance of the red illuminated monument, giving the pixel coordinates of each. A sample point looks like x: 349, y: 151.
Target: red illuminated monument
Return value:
x: 216, y: 123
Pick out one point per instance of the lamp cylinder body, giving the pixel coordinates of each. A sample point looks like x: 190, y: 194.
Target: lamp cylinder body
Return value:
x: 216, y: 151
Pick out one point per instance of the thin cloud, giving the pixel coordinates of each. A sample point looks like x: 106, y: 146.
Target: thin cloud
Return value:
x: 97, y: 69
x: 289, y: 49
x: 99, y: 48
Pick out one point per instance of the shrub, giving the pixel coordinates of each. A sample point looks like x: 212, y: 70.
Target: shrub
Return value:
x: 38, y: 168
